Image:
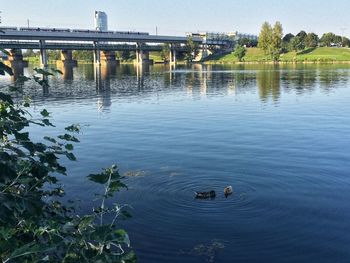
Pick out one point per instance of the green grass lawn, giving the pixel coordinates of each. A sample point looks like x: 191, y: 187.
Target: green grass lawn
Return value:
x: 155, y: 56
x: 322, y: 54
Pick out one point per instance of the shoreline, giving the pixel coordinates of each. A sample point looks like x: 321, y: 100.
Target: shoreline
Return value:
x: 274, y: 63
x: 345, y: 62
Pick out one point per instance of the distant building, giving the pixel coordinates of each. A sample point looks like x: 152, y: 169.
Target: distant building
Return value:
x: 229, y: 37
x: 101, y: 21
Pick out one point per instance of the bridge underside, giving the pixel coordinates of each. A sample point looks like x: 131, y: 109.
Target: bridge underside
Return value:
x: 104, y: 52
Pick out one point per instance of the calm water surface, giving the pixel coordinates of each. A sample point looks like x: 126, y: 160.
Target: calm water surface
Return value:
x: 279, y: 135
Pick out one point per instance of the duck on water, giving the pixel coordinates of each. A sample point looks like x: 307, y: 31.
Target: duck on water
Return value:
x: 212, y: 194
x: 228, y: 191
x: 205, y: 195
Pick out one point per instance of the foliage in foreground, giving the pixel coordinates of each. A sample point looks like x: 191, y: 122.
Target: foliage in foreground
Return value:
x: 35, y: 226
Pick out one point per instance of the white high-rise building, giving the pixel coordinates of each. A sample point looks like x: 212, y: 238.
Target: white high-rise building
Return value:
x: 101, y: 21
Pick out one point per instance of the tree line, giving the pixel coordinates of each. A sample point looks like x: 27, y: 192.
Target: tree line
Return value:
x: 274, y: 43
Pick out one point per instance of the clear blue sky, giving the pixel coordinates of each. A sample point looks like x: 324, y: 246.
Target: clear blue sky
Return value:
x: 180, y: 16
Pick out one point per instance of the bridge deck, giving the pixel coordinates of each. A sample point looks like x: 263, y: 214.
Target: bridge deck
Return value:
x: 92, y: 36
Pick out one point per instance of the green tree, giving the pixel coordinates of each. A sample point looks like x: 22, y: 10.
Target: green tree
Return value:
x: 345, y: 42
x: 240, y: 52
x: 265, y: 38
x: 192, y: 50
x: 286, y: 42
x: 296, y: 44
x: 54, y: 55
x: 165, y: 53
x: 287, y: 38
x: 246, y: 42
x: 276, y: 43
x: 311, y: 40
x: 270, y: 40
x: 29, y: 53
x: 328, y: 39
x: 83, y: 55
x: 302, y: 34
x: 338, y: 40
x: 125, y: 55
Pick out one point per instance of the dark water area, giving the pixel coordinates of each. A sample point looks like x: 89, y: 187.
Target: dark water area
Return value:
x: 280, y: 135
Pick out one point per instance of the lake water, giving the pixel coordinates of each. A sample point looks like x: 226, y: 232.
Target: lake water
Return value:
x: 280, y: 135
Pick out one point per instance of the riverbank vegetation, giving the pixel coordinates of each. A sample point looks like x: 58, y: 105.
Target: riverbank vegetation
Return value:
x: 309, y: 55
x: 303, y: 47
x: 35, y: 224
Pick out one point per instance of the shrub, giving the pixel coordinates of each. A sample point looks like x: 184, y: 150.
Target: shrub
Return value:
x: 35, y: 225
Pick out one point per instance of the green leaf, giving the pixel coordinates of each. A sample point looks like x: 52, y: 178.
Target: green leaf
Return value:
x: 73, y: 128
x: 71, y: 156
x: 31, y: 248
x: 125, y: 214
x: 45, y: 113
x: 99, y: 178
x: 43, y: 72
x: 115, y: 186
x: 14, y: 88
x: 68, y: 137
x: 47, y: 122
x: 85, y: 222
x: 6, y: 98
x: 56, y: 71
x: 69, y: 147
x: 22, y: 136
x: 6, y: 69
x: 23, y: 78
x: 129, y: 258
x: 50, y: 139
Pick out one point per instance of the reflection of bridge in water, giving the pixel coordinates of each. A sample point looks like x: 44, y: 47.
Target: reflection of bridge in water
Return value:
x: 197, y: 81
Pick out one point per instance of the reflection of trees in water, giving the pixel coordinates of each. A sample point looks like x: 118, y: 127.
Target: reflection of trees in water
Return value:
x: 87, y: 70
x: 269, y: 84
x: 301, y: 80
x: 199, y: 81
x: 333, y: 78
x: 306, y: 78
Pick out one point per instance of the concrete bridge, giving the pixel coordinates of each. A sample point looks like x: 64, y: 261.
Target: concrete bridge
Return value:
x: 102, y: 43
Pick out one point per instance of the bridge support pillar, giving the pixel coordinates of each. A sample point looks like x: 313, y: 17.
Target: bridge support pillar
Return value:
x: 67, y: 58
x: 108, y: 57
x: 142, y: 57
x: 97, y: 54
x: 15, y: 59
x: 172, y: 56
x: 43, y: 54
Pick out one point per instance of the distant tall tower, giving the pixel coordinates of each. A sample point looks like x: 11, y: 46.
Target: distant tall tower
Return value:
x: 101, y: 21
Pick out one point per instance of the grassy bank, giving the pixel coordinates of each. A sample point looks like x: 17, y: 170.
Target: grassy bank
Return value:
x: 313, y: 55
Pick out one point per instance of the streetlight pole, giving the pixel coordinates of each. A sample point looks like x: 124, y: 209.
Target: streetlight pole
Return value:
x: 342, y: 35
